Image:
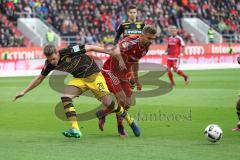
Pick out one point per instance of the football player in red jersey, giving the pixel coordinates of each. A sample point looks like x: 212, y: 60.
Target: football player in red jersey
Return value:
x: 175, y: 50
x: 116, y: 70
x: 131, y: 27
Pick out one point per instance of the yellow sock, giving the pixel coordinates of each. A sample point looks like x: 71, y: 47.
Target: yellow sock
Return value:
x: 72, y: 116
x: 121, y: 112
x: 70, y: 112
x: 74, y: 123
x: 128, y: 119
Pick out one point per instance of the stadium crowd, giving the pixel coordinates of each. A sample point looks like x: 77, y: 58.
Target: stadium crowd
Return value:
x: 96, y: 20
x: 7, y: 37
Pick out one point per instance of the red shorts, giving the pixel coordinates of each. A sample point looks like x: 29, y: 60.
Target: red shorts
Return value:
x: 172, y: 64
x: 116, y: 85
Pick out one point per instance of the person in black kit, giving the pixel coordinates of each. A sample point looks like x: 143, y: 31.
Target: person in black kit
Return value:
x: 87, y: 76
x: 131, y: 26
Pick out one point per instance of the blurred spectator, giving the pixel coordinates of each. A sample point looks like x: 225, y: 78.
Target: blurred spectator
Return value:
x: 50, y: 37
x: 210, y: 35
x: 95, y: 17
x: 223, y: 28
x: 7, y: 37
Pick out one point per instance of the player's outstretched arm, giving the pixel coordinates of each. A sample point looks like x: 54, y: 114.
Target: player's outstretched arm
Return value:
x: 110, y: 51
x: 36, y: 81
x: 97, y: 49
x: 115, y: 52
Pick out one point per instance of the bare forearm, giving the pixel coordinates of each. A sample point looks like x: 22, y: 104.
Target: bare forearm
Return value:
x: 98, y: 49
x: 36, y: 81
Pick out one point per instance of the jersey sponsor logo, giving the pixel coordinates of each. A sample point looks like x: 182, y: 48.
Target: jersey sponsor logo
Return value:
x: 195, y: 50
x: 133, y: 31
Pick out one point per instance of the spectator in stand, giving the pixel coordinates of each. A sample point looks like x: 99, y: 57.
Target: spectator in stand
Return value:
x: 210, y: 35
x: 50, y: 37
x: 99, y: 16
x: 223, y: 28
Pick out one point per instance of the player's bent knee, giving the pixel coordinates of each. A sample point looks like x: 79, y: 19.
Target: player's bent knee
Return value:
x: 129, y: 102
x: 123, y: 100
x: 112, y: 105
x: 106, y: 101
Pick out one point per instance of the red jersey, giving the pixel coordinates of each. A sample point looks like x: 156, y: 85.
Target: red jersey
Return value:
x: 175, y: 45
x: 131, y: 53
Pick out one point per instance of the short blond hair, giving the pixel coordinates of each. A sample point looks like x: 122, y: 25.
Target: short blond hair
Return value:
x: 149, y: 29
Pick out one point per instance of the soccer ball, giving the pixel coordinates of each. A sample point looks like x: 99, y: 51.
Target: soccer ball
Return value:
x: 213, y: 133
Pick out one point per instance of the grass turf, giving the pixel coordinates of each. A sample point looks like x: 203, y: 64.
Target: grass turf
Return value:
x: 29, y: 128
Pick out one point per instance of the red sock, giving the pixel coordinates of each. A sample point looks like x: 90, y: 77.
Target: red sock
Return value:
x: 170, y: 76
x: 179, y: 72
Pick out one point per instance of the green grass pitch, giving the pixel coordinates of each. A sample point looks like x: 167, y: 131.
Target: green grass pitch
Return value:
x: 30, y: 130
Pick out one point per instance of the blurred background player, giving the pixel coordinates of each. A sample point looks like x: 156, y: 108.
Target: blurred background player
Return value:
x: 87, y: 76
x: 175, y: 49
x: 131, y: 26
x: 131, y: 49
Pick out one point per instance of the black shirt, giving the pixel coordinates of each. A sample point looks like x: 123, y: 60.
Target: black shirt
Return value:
x: 129, y: 28
x: 79, y: 65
